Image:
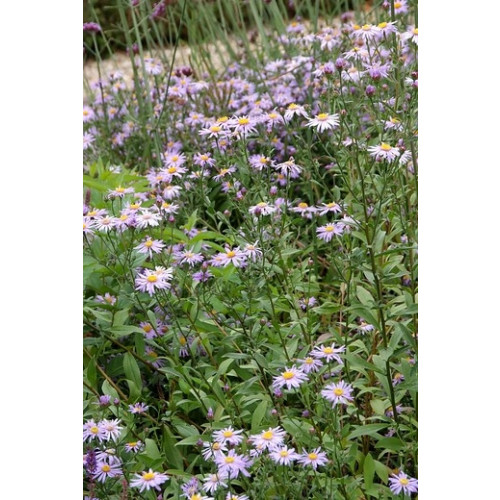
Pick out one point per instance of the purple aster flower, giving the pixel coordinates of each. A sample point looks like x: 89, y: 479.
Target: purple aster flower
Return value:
x: 314, y: 458
x: 402, y: 483
x: 340, y: 393
x: 202, y: 276
x: 310, y: 364
x: 105, y: 469
x: 228, y: 435
x: 330, y: 353
x: 138, y: 408
x: 291, y: 377
x: 91, y: 27
x: 284, y: 455
x: 233, y: 464
x: 148, y: 480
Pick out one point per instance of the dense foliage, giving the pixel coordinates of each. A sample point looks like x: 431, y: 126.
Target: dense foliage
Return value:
x: 250, y: 270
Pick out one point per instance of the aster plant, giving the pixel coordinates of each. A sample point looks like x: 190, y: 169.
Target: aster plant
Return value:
x: 250, y: 257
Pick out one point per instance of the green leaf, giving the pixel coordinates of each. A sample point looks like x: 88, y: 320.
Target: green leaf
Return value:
x: 364, y: 296
x: 190, y: 440
x: 390, y: 443
x: 259, y: 414
x: 120, y: 317
x: 172, y: 454
x: 224, y: 366
x: 369, y: 470
x: 151, y: 449
x: 132, y: 373
x: 378, y: 406
x: 123, y: 330
x: 109, y: 390
x: 381, y: 470
x: 367, y: 430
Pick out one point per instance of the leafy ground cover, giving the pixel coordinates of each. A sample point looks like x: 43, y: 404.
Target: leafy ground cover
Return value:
x: 250, y: 269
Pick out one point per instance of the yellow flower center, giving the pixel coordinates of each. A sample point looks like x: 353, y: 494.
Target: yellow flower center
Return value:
x: 224, y: 171
x: 215, y: 128
x: 222, y: 119
x: 366, y: 27
x: 172, y: 170
x: 183, y: 341
x: 124, y: 217
x: 394, y: 120
x: 385, y: 147
x: 175, y: 158
x: 148, y: 476
x: 92, y: 213
x: 204, y: 157
x: 329, y: 229
x: 84, y: 226
x: 322, y: 116
x: 228, y: 434
x: 133, y: 444
x: 292, y: 106
x: 382, y: 25
x: 262, y: 204
x: 153, y: 354
x: 216, y: 446
x: 119, y: 189
x: 165, y: 205
x: 312, y: 456
x: 243, y: 121
x: 230, y: 254
x: 272, y: 115
x: 303, y: 205
x: 229, y: 460
x: 94, y: 429
x: 148, y: 243
x: 415, y: 31
x: 105, y: 468
x: 284, y: 453
x: 338, y: 391
x: 263, y: 160
x: 356, y: 27
x: 85, y: 112
x: 196, y: 496
x: 309, y: 361
x: 288, y: 375
x: 268, y: 435
x: 152, y: 278
x: 403, y: 481
x: 328, y: 350
x: 134, y: 206
x: 397, y: 5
